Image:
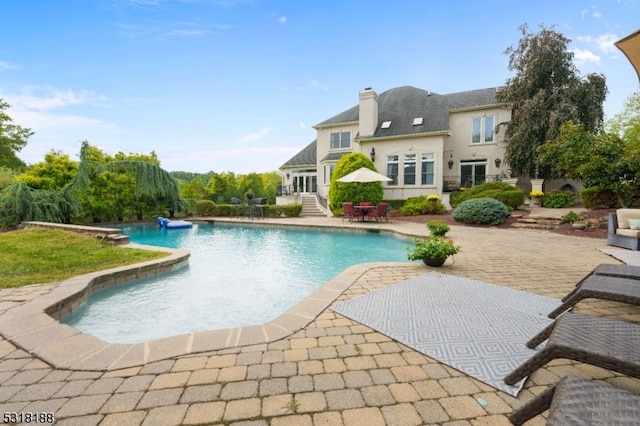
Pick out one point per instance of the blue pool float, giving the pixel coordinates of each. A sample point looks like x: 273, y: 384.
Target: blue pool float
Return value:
x: 173, y: 224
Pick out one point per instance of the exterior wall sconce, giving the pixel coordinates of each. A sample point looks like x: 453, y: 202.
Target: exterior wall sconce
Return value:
x: 288, y: 175
x: 509, y: 173
x: 372, y: 154
x: 450, y: 164
x: 497, y: 162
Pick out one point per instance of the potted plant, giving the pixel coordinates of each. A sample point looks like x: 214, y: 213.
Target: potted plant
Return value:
x: 433, y: 250
x: 437, y: 227
x: 536, y: 196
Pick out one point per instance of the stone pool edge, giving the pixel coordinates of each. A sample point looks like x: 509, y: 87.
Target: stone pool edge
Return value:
x: 34, y: 326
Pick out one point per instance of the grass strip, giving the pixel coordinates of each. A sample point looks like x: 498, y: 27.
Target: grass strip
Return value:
x: 40, y: 256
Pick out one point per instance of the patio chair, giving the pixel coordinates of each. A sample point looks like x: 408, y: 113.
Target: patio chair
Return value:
x: 349, y: 212
x: 603, y: 287
x: 577, y: 401
x: 599, y: 341
x: 380, y: 212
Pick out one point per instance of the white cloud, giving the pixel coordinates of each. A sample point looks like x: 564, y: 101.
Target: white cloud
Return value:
x: 596, y: 15
x: 4, y: 65
x: 255, y: 136
x: 47, y: 98
x: 302, y: 125
x: 315, y: 83
x: 604, y: 42
x: 282, y: 19
x: 582, y: 56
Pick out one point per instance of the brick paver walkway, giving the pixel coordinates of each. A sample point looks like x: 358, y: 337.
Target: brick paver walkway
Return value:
x: 334, y: 371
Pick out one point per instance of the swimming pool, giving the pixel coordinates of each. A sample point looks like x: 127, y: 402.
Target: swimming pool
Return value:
x: 238, y: 275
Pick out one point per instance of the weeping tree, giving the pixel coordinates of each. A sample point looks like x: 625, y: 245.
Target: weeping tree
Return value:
x: 545, y: 93
x: 19, y: 202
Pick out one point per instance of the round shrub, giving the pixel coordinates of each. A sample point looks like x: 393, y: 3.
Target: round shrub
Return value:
x: 558, y: 199
x: 595, y: 198
x: 205, y: 208
x: 481, y: 210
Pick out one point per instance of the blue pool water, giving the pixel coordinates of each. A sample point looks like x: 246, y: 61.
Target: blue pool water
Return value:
x: 237, y: 276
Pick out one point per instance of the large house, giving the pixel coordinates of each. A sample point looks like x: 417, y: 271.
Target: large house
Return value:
x: 425, y: 142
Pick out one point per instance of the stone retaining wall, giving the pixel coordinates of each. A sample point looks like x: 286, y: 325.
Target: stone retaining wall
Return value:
x: 112, y: 235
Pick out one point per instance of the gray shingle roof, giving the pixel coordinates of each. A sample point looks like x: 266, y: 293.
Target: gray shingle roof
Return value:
x: 402, y: 104
x: 306, y: 157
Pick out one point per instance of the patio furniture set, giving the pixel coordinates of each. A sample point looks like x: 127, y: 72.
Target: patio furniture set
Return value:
x: 364, y: 210
x: 599, y: 341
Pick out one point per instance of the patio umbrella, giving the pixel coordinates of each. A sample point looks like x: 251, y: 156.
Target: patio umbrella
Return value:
x: 630, y: 46
x: 364, y: 175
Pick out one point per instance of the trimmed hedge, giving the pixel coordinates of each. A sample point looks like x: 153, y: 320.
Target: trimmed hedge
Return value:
x: 501, y: 191
x: 232, y: 210
x: 421, y: 205
x: 481, y: 210
x: 595, y: 198
x: 205, y: 207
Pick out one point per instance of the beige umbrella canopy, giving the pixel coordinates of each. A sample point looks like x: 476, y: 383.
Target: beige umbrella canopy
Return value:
x: 630, y: 46
x: 363, y: 175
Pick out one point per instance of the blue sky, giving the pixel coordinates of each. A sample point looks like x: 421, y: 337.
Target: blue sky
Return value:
x: 236, y: 85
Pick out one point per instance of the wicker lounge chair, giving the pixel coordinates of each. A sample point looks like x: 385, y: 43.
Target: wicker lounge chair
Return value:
x: 602, y: 287
x: 599, y: 341
x: 576, y: 401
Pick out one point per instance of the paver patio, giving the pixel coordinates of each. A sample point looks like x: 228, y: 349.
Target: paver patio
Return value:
x: 334, y: 370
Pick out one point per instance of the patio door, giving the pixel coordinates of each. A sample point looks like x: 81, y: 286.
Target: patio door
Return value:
x: 472, y: 172
x: 305, y: 183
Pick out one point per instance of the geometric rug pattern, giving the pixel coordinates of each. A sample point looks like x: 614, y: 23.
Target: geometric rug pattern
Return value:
x: 479, y: 329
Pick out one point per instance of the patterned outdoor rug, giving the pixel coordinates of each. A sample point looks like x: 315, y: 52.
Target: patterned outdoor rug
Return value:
x: 630, y: 257
x: 477, y: 328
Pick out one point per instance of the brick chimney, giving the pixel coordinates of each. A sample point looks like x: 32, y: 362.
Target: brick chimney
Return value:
x: 368, y: 112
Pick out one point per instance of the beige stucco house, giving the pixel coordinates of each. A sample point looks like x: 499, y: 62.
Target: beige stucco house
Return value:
x: 426, y: 142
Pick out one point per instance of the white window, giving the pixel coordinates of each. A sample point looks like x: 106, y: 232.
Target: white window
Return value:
x: 482, y: 129
x: 386, y: 125
x: 427, y: 168
x: 328, y: 171
x: 410, y: 169
x: 392, y: 169
x: 341, y: 140
x: 417, y: 121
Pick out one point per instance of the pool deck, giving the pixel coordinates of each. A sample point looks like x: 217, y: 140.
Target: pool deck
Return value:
x: 309, y: 367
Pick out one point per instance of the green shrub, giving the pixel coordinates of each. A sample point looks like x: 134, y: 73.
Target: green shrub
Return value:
x: 513, y: 198
x: 557, y: 199
x: 438, y: 227
x: 421, y: 205
x: 595, y: 198
x: 292, y: 210
x: 498, y: 190
x: 571, y: 217
x: 205, y: 208
x: 481, y: 210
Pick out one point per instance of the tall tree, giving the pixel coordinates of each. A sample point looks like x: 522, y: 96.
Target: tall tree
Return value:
x: 12, y: 139
x: 54, y: 172
x: 545, y: 93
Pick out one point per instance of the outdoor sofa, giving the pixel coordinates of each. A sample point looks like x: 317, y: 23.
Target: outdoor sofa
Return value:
x: 624, y: 229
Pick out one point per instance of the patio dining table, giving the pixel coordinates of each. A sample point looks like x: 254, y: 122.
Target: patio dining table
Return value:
x: 364, y: 210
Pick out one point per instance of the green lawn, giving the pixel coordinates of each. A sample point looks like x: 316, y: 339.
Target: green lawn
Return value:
x: 38, y: 256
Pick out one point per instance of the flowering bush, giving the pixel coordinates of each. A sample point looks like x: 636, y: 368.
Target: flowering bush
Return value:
x: 434, y: 247
x: 433, y: 197
x: 536, y: 193
x: 438, y: 227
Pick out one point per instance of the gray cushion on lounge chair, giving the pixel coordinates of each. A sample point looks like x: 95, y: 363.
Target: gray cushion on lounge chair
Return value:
x: 602, y: 342
x: 576, y: 401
